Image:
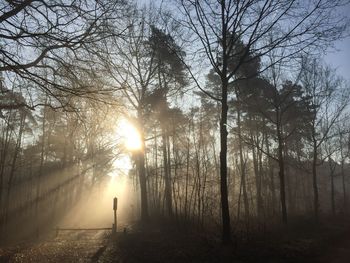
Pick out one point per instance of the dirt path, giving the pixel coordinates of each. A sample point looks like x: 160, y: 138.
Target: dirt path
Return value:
x: 82, y: 246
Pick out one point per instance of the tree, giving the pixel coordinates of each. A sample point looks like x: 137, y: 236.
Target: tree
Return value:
x: 328, y: 100
x: 288, y: 115
x: 295, y: 25
x: 37, y: 37
x: 343, y: 140
x: 170, y: 79
x: 145, y: 65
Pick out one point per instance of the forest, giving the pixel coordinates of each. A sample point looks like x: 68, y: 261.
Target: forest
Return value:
x: 240, y: 126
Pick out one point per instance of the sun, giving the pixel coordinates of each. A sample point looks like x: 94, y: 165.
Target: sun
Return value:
x: 128, y: 139
x: 130, y: 135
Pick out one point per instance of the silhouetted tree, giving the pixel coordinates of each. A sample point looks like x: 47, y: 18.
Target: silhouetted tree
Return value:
x: 213, y: 25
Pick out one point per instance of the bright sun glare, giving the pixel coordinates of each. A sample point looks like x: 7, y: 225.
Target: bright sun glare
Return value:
x: 130, y: 135
x: 130, y: 138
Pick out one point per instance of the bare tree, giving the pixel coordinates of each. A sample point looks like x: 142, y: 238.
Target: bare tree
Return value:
x: 343, y: 146
x: 328, y: 100
x: 130, y: 64
x: 37, y: 36
x: 218, y: 26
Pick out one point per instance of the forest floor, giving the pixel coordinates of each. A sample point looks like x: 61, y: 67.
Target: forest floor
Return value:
x: 81, y: 246
x: 324, y: 243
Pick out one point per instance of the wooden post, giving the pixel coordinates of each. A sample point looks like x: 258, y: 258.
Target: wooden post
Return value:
x: 115, y: 206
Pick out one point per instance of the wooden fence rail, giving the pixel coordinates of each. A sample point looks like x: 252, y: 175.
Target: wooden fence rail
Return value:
x: 58, y: 229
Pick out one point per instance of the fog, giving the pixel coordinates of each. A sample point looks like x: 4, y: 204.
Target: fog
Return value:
x: 95, y: 208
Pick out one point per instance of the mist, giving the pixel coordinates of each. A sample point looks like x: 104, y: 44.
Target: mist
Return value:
x: 95, y: 208
x: 219, y: 127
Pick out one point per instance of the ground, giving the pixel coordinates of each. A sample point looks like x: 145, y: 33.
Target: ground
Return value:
x: 311, y: 243
x: 326, y: 243
x: 78, y: 246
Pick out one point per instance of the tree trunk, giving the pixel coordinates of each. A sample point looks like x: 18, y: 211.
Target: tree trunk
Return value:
x: 343, y: 185
x: 271, y: 175
x: 332, y: 195
x: 142, y: 172
x: 314, y: 181
x: 226, y: 227
x: 187, y: 177
x: 257, y: 182
x: 167, y: 179
x: 332, y: 167
x: 241, y: 162
x: 3, y: 156
x: 156, y: 187
x: 40, y: 172
x: 143, y: 186
x: 282, y: 176
x: 13, y: 164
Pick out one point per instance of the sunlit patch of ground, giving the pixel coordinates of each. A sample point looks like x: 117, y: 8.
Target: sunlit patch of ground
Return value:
x: 82, y: 246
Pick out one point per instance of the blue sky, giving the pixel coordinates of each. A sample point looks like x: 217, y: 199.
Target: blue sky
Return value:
x: 340, y: 58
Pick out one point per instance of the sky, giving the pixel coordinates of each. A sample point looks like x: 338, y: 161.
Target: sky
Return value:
x: 337, y: 57
x: 340, y: 58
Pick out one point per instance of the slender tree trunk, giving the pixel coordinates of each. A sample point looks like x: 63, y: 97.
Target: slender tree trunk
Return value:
x: 257, y: 182
x: 167, y: 179
x: 226, y: 226
x: 225, y: 213
x: 242, y: 162
x: 260, y: 187
x: 272, y: 179
x: 342, y: 170
x: 4, y: 153
x: 13, y: 164
x: 239, y: 201
x: 142, y: 173
x: 282, y: 175
x: 175, y: 190
x: 331, y: 170
x: 156, y: 187
x: 40, y: 172
x: 343, y: 185
x: 314, y: 181
x: 198, y: 184
x: 332, y: 195
x: 187, y: 177
x: 204, y: 203
x: 143, y: 187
